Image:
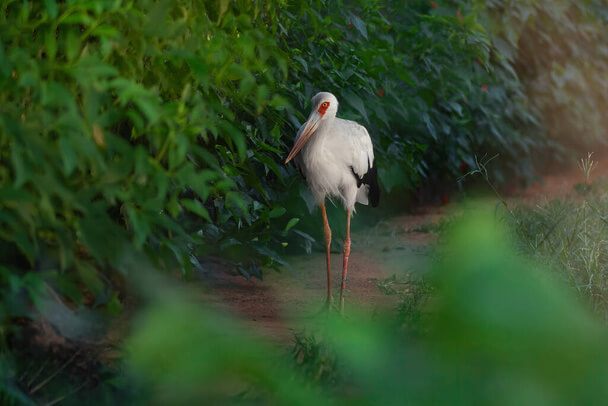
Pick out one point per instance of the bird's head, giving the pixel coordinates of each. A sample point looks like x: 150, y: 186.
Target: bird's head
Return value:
x: 324, y: 107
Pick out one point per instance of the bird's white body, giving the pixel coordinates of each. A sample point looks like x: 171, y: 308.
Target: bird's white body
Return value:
x: 329, y: 161
x: 336, y: 157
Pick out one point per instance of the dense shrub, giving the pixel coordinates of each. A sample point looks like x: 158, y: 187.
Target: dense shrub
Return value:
x: 421, y: 78
x: 129, y: 125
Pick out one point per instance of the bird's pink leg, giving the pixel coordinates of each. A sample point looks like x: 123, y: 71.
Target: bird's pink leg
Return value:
x: 345, y: 263
x: 327, y: 235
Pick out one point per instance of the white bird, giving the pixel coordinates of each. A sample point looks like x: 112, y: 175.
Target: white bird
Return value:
x: 336, y: 157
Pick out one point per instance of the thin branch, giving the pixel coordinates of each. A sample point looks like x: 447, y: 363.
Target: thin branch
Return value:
x: 54, y: 374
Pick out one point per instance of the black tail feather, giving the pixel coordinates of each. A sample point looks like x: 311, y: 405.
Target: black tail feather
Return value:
x: 370, y: 178
x: 374, y: 188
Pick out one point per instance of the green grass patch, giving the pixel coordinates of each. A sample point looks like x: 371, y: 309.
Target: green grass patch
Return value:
x: 570, y: 235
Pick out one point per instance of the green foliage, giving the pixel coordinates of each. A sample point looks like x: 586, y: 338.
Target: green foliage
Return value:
x: 499, y: 309
x: 424, y: 81
x: 316, y: 361
x: 127, y: 126
x: 222, y: 364
x: 569, y: 235
x: 501, y: 332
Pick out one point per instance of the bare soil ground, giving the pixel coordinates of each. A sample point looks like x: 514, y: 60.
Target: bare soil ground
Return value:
x: 399, y: 246
x: 283, y: 301
x: 560, y: 181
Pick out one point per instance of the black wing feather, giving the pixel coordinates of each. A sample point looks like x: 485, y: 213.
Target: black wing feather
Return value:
x: 369, y: 178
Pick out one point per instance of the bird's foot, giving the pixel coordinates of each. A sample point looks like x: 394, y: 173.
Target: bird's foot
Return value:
x: 327, y: 308
x: 329, y: 304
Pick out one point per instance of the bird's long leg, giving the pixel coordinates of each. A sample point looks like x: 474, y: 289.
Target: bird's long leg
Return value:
x: 345, y: 263
x: 327, y: 235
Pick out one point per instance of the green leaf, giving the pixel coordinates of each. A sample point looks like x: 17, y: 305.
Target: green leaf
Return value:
x: 114, y: 306
x: 21, y: 166
x: 140, y: 224
x: 200, y: 70
x: 196, y: 207
x: 421, y: 147
x: 149, y: 107
x: 72, y: 45
x: 272, y: 255
x: 271, y: 164
x: 5, y: 63
x: 291, y: 223
x: 392, y: 176
x: 277, y: 211
x: 51, y: 8
x: 186, y: 266
x: 235, y: 199
x: 68, y: 155
x: 26, y: 246
x: 103, y: 238
x: 70, y: 288
x: 357, y: 103
x: 302, y: 62
x: 173, y: 207
x: 50, y: 44
x: 360, y: 26
x: 427, y: 95
x: 243, y: 272
x: 429, y: 125
x: 223, y: 7
x: 89, y: 276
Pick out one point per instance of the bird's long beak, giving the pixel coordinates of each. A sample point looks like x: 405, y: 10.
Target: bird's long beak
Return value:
x: 307, y: 132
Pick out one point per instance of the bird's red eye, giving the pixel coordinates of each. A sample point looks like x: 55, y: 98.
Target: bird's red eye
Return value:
x: 323, y: 108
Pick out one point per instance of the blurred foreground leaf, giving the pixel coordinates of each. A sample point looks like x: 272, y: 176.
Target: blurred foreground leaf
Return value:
x: 189, y: 355
x: 499, y: 331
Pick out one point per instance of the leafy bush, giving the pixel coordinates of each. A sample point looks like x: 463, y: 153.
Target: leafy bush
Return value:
x: 427, y: 82
x: 501, y: 332
x: 127, y: 126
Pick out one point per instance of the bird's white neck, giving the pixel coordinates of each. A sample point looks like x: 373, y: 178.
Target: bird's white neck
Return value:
x: 323, y: 131
x: 317, y: 141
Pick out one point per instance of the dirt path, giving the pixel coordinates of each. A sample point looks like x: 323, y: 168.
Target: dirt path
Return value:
x: 284, y: 301
x: 398, y: 246
x: 560, y: 181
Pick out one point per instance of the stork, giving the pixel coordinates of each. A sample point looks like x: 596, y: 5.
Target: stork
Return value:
x: 336, y: 157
